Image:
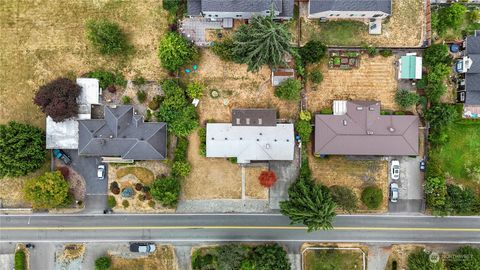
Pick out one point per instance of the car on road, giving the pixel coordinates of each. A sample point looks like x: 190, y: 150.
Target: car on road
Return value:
x: 393, y: 192
x: 142, y: 247
x: 101, y: 172
x: 422, y: 165
x: 395, y: 169
x: 62, y: 156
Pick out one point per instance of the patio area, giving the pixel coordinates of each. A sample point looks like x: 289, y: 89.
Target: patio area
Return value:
x: 195, y: 29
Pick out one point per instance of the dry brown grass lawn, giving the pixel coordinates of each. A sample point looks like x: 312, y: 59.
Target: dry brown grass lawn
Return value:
x: 11, y: 188
x: 42, y: 40
x: 72, y: 251
x: 210, y: 178
x: 238, y: 89
x: 253, y: 188
x: 337, y: 170
x: 144, y: 175
x: 163, y: 259
x: 375, y: 79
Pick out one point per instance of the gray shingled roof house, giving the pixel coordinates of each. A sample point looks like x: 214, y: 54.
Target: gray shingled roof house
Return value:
x: 353, y: 9
x: 472, y: 76
x: 359, y: 129
x: 122, y: 133
x: 239, y: 9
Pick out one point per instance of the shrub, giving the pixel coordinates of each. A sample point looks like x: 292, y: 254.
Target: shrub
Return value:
x: 65, y: 171
x: 474, y: 15
x: 469, y: 258
x: 138, y: 186
x: 305, y: 115
x: 194, y: 90
x: 450, y: 17
x: 139, y: 80
x: 148, y: 115
x: 202, y: 135
x: 148, y: 196
x: 435, y: 191
x: 111, y: 201
x: 224, y: 50
x: 58, y: 99
x: 141, y: 96
x: 461, y: 201
x: 171, y: 6
x: 345, y: 198
x: 22, y: 149
x: 371, y: 50
x: 114, y: 185
x: 372, y: 197
x: 181, y: 148
x: 422, y: 83
x: 304, y: 130
x: 166, y: 190
x: 126, y: 100
x: 312, y: 52
x: 154, y: 104
x: 289, y: 89
x: 204, y: 261
x: 107, y: 78
x: 267, y: 178
x: 107, y: 37
x: 394, y: 265
x: 125, y: 204
x: 180, y: 169
x: 46, y: 191
x: 441, y: 116
x: 316, y: 76
x: 103, y: 263
x: 151, y: 203
x: 436, y: 54
x: 405, y: 99
x: 175, y: 51
x: 231, y: 256
x: 112, y: 89
x: 270, y: 256
x: 19, y: 260
x: 141, y: 197
x: 386, y: 53
x: 420, y: 260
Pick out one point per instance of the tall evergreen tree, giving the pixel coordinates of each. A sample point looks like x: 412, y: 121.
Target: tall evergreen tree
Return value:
x: 262, y: 42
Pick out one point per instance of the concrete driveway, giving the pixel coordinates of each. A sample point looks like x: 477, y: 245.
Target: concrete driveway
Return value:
x: 96, y: 193
x: 411, y: 199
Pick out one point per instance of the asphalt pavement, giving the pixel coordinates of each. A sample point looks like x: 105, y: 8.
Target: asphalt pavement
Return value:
x: 205, y: 227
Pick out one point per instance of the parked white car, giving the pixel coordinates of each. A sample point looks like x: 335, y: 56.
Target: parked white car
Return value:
x: 395, y: 169
x: 101, y: 172
x: 393, y: 192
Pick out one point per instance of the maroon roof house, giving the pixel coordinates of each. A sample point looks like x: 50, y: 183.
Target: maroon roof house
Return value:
x: 357, y: 128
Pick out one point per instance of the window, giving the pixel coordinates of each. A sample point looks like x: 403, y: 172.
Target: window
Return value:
x: 377, y: 15
x: 268, y: 11
x: 363, y: 15
x: 209, y: 15
x: 216, y: 15
x: 331, y: 15
x: 338, y: 15
x: 238, y: 16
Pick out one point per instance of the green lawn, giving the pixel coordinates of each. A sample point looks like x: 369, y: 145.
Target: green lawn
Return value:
x: 344, y: 33
x: 460, y: 151
x: 333, y: 259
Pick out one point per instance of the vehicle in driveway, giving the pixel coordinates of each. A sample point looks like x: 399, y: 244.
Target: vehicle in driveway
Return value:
x: 422, y: 165
x: 62, y: 156
x: 393, y: 192
x: 395, y: 169
x: 142, y: 247
x: 101, y: 172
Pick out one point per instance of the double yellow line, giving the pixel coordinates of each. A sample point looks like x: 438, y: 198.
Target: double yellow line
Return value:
x: 78, y: 228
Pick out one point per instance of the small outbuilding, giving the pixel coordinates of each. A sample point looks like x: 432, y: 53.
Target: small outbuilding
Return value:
x: 410, y: 67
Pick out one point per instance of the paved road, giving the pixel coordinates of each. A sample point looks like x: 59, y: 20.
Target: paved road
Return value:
x: 188, y: 228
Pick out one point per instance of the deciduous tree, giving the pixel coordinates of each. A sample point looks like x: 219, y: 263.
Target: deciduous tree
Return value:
x: 289, y: 89
x: 312, y: 52
x: 58, y: 99
x: 49, y: 190
x: 166, y: 191
x: 175, y: 51
x: 405, y: 99
x: 22, y: 149
x: 345, y: 198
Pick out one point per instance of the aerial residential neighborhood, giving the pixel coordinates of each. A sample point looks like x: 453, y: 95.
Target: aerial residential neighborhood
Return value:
x: 227, y: 134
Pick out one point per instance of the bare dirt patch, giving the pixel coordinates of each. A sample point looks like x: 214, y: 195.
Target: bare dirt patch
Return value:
x: 253, y: 188
x: 162, y: 259
x: 238, y: 89
x: 11, y: 188
x: 46, y: 39
x: 127, y: 176
x: 404, y: 28
x: 375, y: 79
x: 210, y: 178
x: 355, y: 174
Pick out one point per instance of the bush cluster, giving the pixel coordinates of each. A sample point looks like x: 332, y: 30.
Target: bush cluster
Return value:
x: 289, y: 89
x: 372, y: 197
x: 202, y: 135
x: 166, y: 191
x: 175, y: 51
x: 405, y: 99
x: 103, y: 263
x: 304, y: 130
x: 236, y: 256
x: 141, y: 96
x: 19, y: 260
x: 154, y: 104
x: 107, y: 37
x: 108, y: 79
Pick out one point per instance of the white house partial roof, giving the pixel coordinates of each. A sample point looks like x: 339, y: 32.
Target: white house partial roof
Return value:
x: 250, y: 143
x: 64, y: 135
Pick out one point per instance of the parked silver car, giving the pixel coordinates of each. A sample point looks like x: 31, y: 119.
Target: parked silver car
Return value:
x: 393, y: 192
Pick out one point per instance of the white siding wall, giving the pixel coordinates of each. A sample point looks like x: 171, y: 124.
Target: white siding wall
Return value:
x: 235, y: 15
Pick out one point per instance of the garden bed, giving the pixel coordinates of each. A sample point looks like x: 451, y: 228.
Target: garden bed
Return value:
x: 375, y: 79
x: 344, y: 60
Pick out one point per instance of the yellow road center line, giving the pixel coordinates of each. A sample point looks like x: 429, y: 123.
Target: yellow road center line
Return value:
x: 231, y: 227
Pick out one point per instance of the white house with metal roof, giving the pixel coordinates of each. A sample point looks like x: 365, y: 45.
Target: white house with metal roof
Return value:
x: 64, y: 135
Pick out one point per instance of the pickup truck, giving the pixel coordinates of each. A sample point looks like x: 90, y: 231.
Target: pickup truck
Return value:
x: 62, y: 156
